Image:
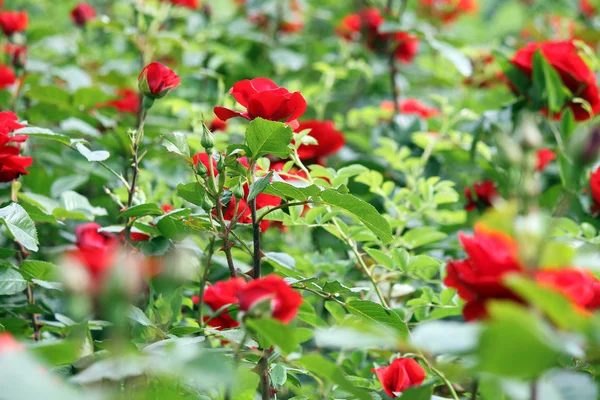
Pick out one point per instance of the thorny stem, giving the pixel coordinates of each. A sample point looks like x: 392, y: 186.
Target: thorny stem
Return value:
x: 265, y: 385
x: 204, y: 278
x: 255, y: 227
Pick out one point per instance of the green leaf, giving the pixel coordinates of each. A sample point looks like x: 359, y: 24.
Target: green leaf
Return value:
x: 41, y: 270
x: 567, y: 124
x: 20, y: 225
x: 375, y: 313
x: 381, y: 258
x: 274, y: 332
x: 418, y: 237
x: 365, y: 212
x: 99, y: 155
x: 192, y: 192
x: 11, y: 281
x: 278, y: 375
x: 516, y: 77
x: 259, y: 186
x: 59, y: 352
x: 268, y: 137
x: 156, y: 246
x: 43, y: 133
x: 299, y: 191
x: 548, y: 83
x: 176, y: 142
x: 141, y: 210
x: 424, y: 392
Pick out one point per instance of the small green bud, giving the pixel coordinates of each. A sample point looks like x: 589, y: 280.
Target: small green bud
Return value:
x: 207, y: 140
x: 207, y: 204
x: 238, y: 191
x: 221, y: 164
x: 202, y: 170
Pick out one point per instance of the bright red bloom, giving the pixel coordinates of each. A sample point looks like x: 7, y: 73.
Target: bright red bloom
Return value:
x: 97, y: 250
x: 402, y: 374
x: 406, y: 46
x: 544, y: 157
x: 221, y: 294
x: 12, y: 164
x: 7, y: 76
x: 447, y: 10
x: 156, y: 80
x: 128, y: 101
x: 8, y: 343
x: 330, y: 140
x: 412, y: 106
x: 284, y: 301
x: 191, y: 4
x: 217, y: 125
x: 167, y: 208
x: 8, y: 123
x: 263, y: 98
x: 485, y: 194
x: 595, y: 189
x: 82, y: 14
x: 13, y: 21
x: 491, y: 255
x: 580, y: 286
x: 574, y: 73
x: 587, y: 8
x: 349, y: 27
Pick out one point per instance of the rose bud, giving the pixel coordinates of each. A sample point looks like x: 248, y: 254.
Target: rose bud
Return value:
x: 207, y: 140
x: 270, y: 296
x: 12, y: 22
x: 156, y: 80
x: 82, y: 14
x: 402, y: 374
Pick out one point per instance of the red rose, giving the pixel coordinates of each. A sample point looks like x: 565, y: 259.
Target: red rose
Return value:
x: 330, y: 140
x: 12, y: 164
x: 447, y: 10
x: 283, y: 300
x: 156, y: 80
x: 406, y: 46
x: 217, y: 125
x: 221, y: 294
x: 579, y: 286
x: 587, y: 9
x: 128, y: 101
x: 402, y: 374
x: 7, y: 76
x: 263, y: 98
x: 191, y: 4
x: 8, y: 344
x: 8, y: 123
x: 97, y: 250
x: 349, y: 27
x: 491, y: 255
x: 595, y: 189
x: 485, y: 194
x: 574, y: 73
x: 167, y: 208
x: 82, y: 13
x: 13, y: 21
x: 544, y: 157
x: 412, y: 106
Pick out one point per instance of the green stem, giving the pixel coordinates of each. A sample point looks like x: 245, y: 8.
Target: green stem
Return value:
x: 204, y: 278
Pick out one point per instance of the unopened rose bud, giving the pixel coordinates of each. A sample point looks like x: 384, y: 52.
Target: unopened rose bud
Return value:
x: 238, y: 191
x: 156, y: 80
x: 207, y: 204
x: 221, y: 165
x: 208, y: 139
x: 201, y: 169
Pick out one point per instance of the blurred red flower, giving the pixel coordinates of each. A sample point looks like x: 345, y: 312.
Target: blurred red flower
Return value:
x: 217, y: 125
x: 82, y: 14
x: 447, y: 11
x: 580, y: 286
x: 219, y: 295
x: 412, y: 106
x: 7, y: 76
x: 191, y: 4
x: 13, y: 21
x: 544, y: 157
x: 587, y: 9
x: 400, y: 375
x: 330, y: 140
x: 283, y: 301
x: 96, y: 250
x: 595, y: 189
x: 128, y: 101
x: 481, y: 195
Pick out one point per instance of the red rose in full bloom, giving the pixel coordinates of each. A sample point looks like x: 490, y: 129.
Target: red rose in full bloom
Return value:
x: 580, y: 286
x: 402, y: 374
x: 587, y: 9
x: 191, y: 4
x: 544, y: 157
x: 574, y: 73
x: 12, y: 164
x: 156, y: 80
x: 447, y: 10
x: 96, y: 250
x: 284, y: 301
x: 7, y: 76
x: 13, y: 21
x: 406, y: 46
x: 330, y: 140
x: 128, y: 101
x: 217, y: 125
x: 595, y: 189
x: 412, y: 106
x: 82, y: 14
x: 221, y: 294
x: 491, y: 255
x: 483, y: 197
x: 263, y: 98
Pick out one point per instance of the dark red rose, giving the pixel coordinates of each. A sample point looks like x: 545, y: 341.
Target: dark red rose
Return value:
x: 191, y: 4
x: 13, y: 21
x: 574, y: 72
x: 447, y: 11
x: 580, y: 286
x: 544, y: 157
x: 330, y: 140
x: 263, y: 98
x: 587, y: 9
x: 595, y: 189
x: 82, y: 14
x: 403, y: 373
x: 406, y: 46
x: 9, y: 344
x: 128, y: 101
x: 484, y: 196
x: 221, y: 294
x: 491, y: 255
x: 96, y: 250
x: 412, y: 107
x: 283, y: 301
x: 7, y: 76
x: 156, y: 80
x: 217, y: 125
